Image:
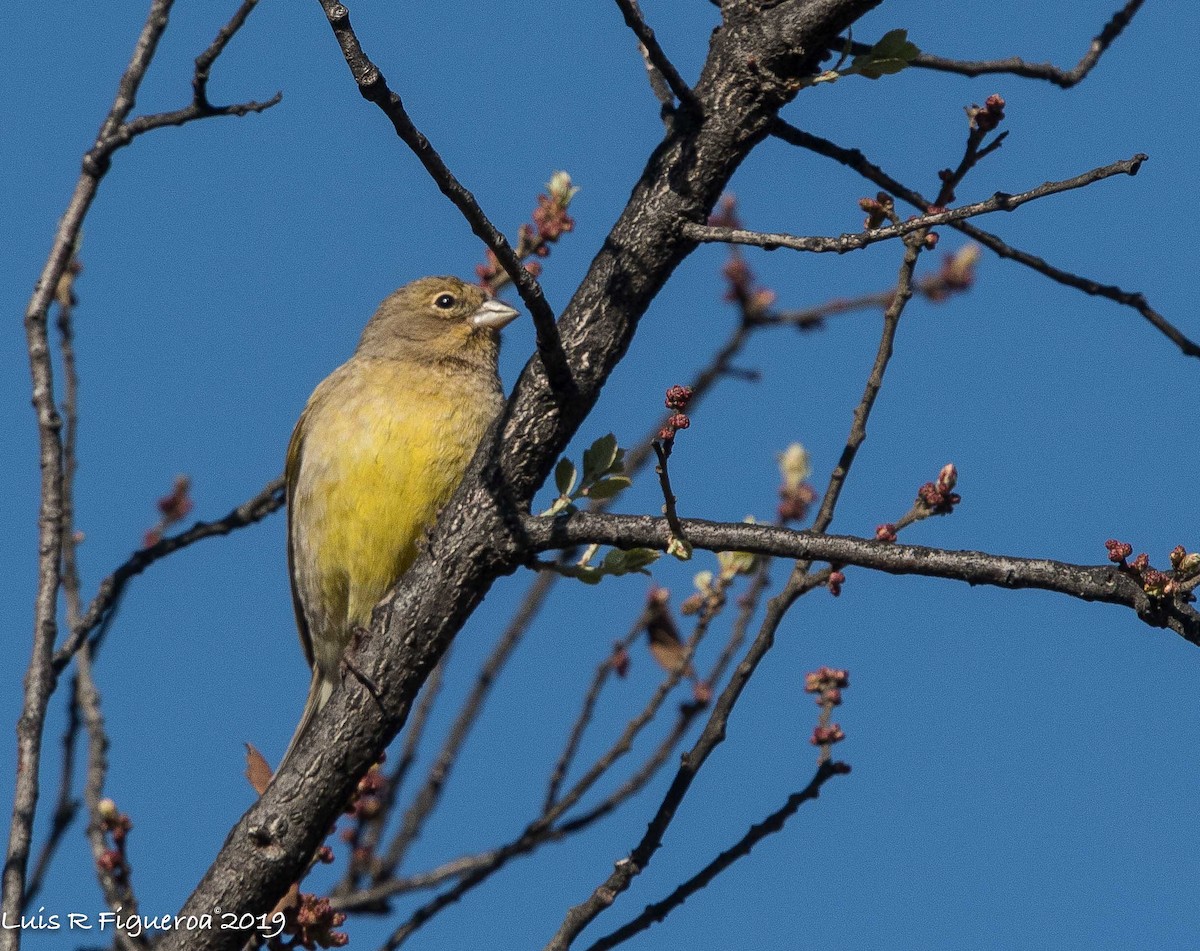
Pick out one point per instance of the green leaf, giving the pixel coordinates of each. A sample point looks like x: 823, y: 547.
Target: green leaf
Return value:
x: 735, y: 562
x: 564, y: 476
x: 599, y: 457
x: 608, y: 487
x: 614, y: 564
x: 891, y: 54
x: 618, y: 562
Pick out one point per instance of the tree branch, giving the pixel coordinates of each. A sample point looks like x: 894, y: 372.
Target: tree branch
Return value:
x: 114, y: 133
x: 374, y: 88
x: 1105, y: 583
x: 1014, y: 65
x: 655, y: 56
x: 108, y: 595
x: 854, y: 159
x: 1000, y: 201
x: 658, y: 911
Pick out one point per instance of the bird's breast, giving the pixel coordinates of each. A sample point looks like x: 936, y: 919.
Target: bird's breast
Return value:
x: 383, y: 451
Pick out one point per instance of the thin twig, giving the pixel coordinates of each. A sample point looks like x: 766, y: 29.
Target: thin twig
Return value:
x: 1014, y: 65
x: 114, y: 882
x: 205, y: 61
x: 1000, y: 201
x: 862, y: 412
x: 575, y: 736
x: 747, y: 605
x: 655, y: 56
x: 580, y: 916
x: 662, y: 449
x: 374, y: 88
x: 658, y: 911
x: 854, y: 159
x: 535, y: 833
x: 108, y: 595
x: 66, y: 805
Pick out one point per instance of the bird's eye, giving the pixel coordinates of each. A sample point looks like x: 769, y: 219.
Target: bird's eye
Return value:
x: 445, y: 301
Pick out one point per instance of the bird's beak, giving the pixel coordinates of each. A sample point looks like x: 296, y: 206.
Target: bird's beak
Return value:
x: 492, y: 315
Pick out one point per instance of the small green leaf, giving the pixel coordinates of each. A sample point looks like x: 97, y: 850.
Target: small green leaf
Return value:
x: 615, y: 562
x: 618, y: 562
x: 564, y: 476
x: 608, y: 487
x: 598, y: 457
x: 891, y: 54
x: 735, y: 562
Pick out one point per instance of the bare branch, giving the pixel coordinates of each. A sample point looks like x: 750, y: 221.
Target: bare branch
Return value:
x: 662, y: 449
x: 1000, y: 201
x: 114, y: 877
x: 430, y: 793
x: 580, y: 916
x: 374, y: 88
x: 67, y: 805
x: 205, y: 61
x: 854, y: 159
x: 269, y: 500
x: 1015, y: 66
x: 1105, y: 583
x: 658, y: 911
x: 41, y: 678
x: 862, y: 412
x: 656, y: 59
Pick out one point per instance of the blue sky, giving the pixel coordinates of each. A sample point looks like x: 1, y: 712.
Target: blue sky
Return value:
x: 1024, y: 765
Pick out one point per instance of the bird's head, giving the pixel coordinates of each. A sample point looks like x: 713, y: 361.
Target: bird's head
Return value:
x: 436, y: 317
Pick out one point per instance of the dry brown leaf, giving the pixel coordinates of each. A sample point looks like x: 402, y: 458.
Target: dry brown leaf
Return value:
x: 257, y: 770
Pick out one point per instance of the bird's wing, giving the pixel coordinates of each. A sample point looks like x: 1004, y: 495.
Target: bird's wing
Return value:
x: 291, y: 474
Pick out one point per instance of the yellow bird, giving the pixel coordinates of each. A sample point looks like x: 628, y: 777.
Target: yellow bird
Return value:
x: 381, y: 446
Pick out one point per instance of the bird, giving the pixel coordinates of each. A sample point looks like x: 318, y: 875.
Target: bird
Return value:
x: 380, y: 447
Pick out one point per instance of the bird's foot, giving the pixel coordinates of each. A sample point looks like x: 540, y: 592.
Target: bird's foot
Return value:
x: 360, y: 636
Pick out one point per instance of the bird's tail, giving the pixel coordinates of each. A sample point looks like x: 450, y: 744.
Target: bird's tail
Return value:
x: 319, y: 692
